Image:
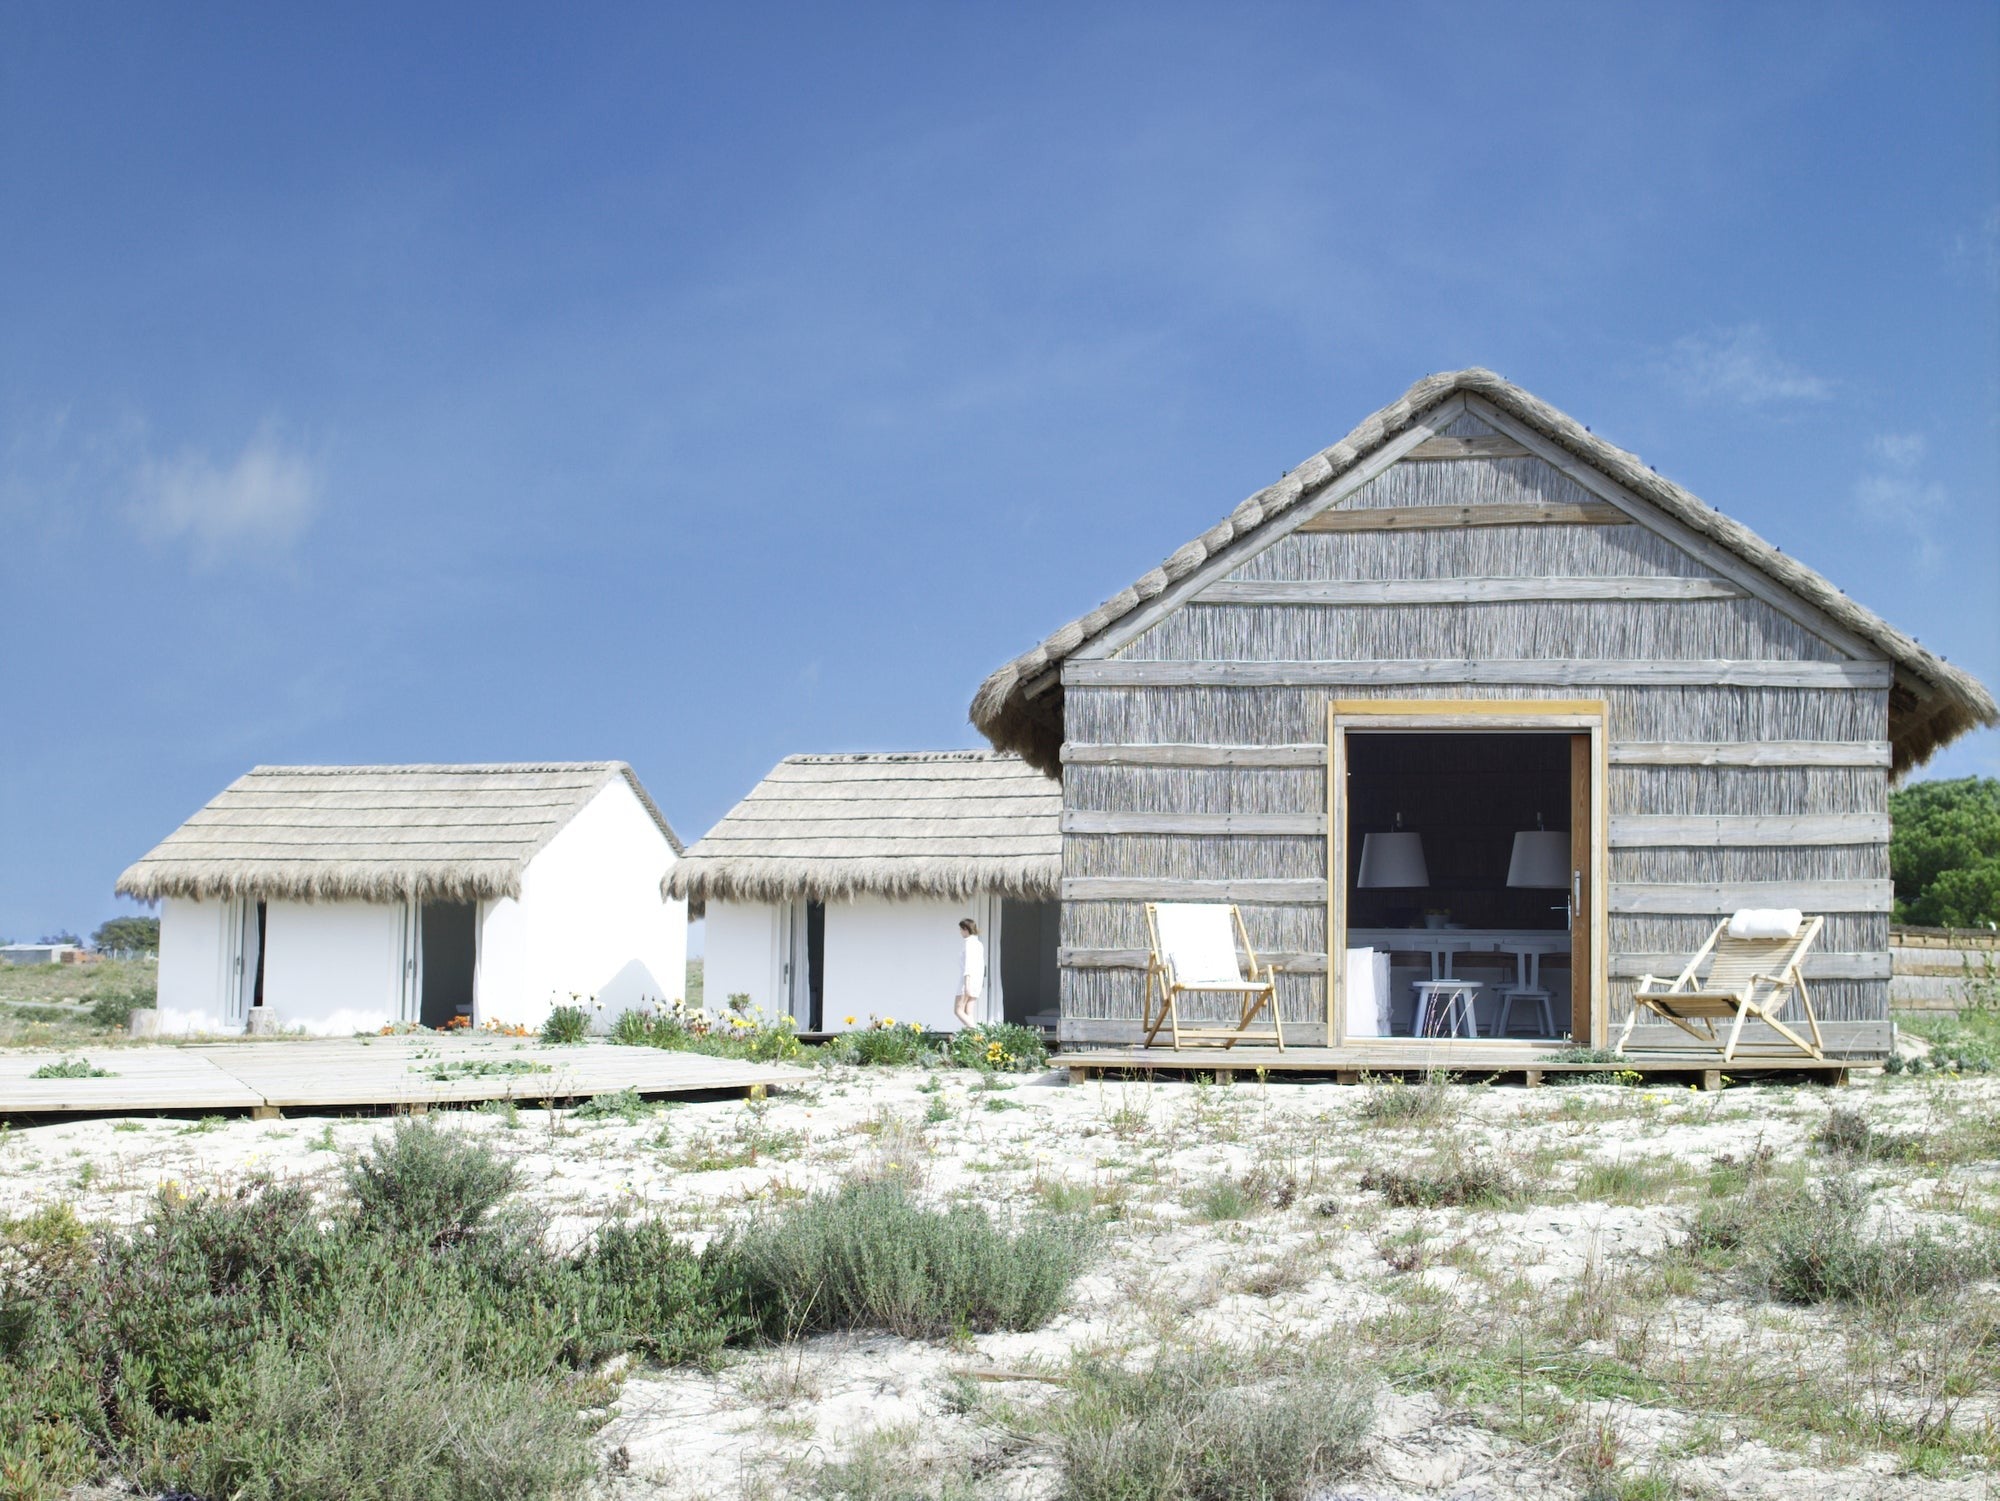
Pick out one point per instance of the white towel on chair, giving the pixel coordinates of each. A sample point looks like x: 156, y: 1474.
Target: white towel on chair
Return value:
x: 1367, y: 993
x: 1198, y: 941
x: 1766, y: 922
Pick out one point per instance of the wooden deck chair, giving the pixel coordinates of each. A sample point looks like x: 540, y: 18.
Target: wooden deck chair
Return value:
x: 1757, y: 969
x: 1195, y: 954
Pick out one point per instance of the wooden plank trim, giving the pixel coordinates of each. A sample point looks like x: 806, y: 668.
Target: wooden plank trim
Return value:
x: 1174, y: 889
x: 1431, y: 518
x: 1457, y: 591
x: 1122, y: 632
x: 1124, y: 672
x: 1291, y: 964
x: 1829, y: 966
x: 1313, y: 756
x: 1484, y: 446
x: 1709, y: 899
x: 1084, y: 821
x: 1644, y: 830
x: 1644, y: 513
x: 1755, y: 753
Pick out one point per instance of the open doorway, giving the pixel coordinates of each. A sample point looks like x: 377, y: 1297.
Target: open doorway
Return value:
x: 1464, y: 877
x: 449, y: 948
x: 1029, y: 979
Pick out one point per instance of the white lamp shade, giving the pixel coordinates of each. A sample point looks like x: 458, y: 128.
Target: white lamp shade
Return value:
x: 1393, y: 860
x: 1541, y: 859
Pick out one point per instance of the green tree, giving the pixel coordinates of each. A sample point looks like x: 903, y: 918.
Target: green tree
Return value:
x: 127, y: 935
x: 1944, y: 852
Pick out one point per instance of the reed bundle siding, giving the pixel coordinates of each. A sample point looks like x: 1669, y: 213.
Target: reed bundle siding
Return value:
x: 1753, y: 712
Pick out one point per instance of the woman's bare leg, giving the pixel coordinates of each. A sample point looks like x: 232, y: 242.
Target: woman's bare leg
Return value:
x: 962, y: 1009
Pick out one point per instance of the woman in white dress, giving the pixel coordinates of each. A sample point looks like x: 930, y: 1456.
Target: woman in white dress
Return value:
x: 972, y: 975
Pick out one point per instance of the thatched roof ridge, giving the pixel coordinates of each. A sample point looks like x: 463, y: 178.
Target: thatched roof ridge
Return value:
x: 375, y: 833
x: 897, y: 824
x: 1932, y: 704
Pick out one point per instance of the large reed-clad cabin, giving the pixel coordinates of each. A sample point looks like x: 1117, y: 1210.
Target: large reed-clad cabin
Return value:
x: 1474, y: 691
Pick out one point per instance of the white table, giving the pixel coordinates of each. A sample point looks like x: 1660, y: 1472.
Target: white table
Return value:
x: 1527, y: 945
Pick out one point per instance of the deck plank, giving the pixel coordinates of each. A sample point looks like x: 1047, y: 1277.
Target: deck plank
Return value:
x: 327, y: 1073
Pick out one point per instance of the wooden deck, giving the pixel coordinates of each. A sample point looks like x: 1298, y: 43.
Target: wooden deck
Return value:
x: 362, y: 1072
x: 1471, y: 1061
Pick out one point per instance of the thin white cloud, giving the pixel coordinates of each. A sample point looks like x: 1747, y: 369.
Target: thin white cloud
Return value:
x: 262, y: 500
x: 1977, y: 251
x: 1738, y: 365
x: 1892, y: 493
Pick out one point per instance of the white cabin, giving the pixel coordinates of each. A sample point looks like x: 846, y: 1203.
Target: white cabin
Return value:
x: 834, y: 889
x: 341, y: 899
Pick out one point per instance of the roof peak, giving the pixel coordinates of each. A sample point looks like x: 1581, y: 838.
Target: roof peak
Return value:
x: 1939, y: 701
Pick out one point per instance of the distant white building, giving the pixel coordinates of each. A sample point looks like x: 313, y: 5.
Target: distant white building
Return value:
x: 345, y: 898
x: 40, y: 953
x: 835, y: 888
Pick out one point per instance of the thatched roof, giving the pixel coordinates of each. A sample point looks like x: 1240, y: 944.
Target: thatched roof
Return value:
x: 375, y: 833
x: 933, y: 823
x: 1019, y: 707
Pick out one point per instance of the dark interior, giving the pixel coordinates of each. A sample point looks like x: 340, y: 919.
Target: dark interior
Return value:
x: 1467, y: 795
x: 1029, y: 986
x: 449, y: 943
x: 816, y: 965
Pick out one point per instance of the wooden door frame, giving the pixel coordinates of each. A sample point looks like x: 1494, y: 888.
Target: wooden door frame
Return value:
x: 1472, y: 715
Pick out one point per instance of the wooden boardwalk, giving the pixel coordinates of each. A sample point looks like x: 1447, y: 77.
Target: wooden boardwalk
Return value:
x: 362, y: 1072
x: 1470, y: 1060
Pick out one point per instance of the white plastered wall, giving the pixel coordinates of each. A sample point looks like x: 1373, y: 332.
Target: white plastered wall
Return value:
x: 333, y: 968
x: 194, y: 964
x: 902, y: 959
x: 742, y: 955
x: 589, y: 921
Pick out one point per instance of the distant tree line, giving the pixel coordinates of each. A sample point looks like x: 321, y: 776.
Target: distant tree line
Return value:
x: 1944, y: 852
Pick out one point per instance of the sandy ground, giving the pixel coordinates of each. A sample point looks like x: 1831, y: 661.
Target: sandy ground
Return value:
x: 1233, y: 1213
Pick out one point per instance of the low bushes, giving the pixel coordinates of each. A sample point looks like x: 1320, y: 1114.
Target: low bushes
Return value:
x: 1814, y: 1244
x: 999, y: 1047
x: 426, y: 1184
x: 1451, y: 1180
x: 1393, y: 1102
x: 872, y: 1257
x: 420, y: 1340
x: 566, y: 1026
x: 743, y: 1031
x: 1216, y: 1424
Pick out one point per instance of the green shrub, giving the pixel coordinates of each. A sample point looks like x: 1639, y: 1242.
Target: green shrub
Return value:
x: 742, y: 1032
x: 566, y: 1026
x: 871, y: 1257
x: 72, y: 1068
x: 247, y: 1343
x: 627, y: 1105
x: 115, y: 1007
x: 1819, y: 1249
x: 393, y: 1412
x: 1393, y: 1102
x: 1455, y: 1179
x: 1216, y: 1424
x: 1848, y: 1132
x: 427, y: 1184
x: 999, y: 1047
x: 883, y: 1043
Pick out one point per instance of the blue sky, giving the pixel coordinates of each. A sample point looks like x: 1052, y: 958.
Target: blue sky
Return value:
x: 698, y: 386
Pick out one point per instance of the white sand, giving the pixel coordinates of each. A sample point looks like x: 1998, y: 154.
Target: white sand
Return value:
x: 1332, y: 1256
